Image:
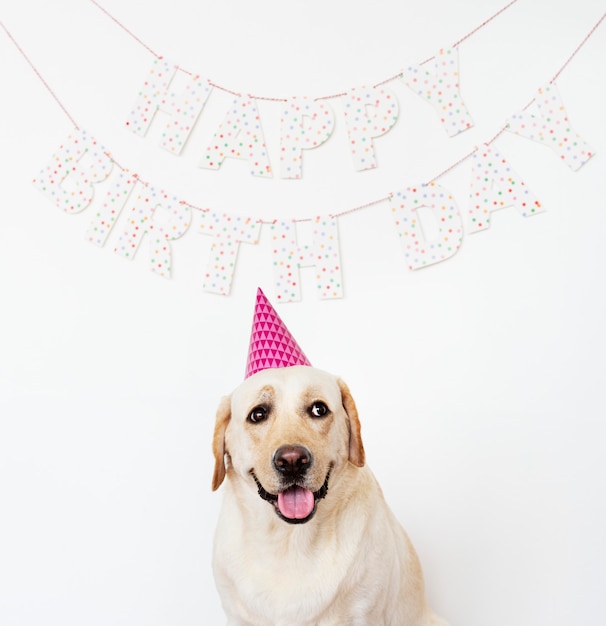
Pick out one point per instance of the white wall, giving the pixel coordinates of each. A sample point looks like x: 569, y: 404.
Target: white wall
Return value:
x: 479, y: 380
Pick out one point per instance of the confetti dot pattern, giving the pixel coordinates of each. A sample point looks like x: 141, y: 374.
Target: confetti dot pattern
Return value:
x: 111, y: 204
x: 323, y: 254
x: 418, y: 251
x: 495, y: 185
x: 183, y: 108
x: 271, y: 343
x: 304, y: 124
x: 439, y: 87
x: 369, y: 113
x: 69, y: 178
x: 229, y: 231
x: 551, y: 127
x: 162, y: 218
x: 240, y: 136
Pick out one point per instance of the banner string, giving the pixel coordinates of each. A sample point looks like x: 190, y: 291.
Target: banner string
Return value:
x: 575, y: 52
x: 39, y: 75
x: 474, y: 31
x: 111, y: 17
x: 504, y: 128
x: 496, y: 136
x: 277, y: 99
x: 348, y: 211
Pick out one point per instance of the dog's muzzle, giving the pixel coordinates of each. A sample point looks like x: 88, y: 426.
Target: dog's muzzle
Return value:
x: 295, y: 503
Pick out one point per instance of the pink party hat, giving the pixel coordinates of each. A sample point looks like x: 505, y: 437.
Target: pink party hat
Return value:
x: 271, y: 344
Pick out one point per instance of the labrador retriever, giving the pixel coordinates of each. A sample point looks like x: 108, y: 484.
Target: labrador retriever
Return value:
x: 304, y: 536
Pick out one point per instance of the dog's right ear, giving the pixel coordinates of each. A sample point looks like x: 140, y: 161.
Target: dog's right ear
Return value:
x: 223, y: 417
x: 356, y: 447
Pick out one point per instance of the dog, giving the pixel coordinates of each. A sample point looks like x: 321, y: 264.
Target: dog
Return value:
x: 304, y: 536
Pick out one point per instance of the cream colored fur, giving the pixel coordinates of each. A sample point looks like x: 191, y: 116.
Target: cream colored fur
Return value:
x: 351, y: 564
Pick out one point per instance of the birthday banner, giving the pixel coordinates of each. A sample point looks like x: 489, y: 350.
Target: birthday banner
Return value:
x: 82, y: 173
x: 306, y: 122
x: 147, y: 220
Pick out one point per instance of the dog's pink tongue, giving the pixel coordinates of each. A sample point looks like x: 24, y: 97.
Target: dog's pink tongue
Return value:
x: 296, y: 502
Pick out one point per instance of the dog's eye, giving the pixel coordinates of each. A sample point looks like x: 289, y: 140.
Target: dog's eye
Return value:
x: 318, y: 409
x: 258, y: 414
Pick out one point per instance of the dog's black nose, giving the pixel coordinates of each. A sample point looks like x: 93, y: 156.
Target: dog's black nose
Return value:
x: 292, y: 460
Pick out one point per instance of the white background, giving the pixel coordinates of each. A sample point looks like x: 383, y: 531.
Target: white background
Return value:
x: 480, y: 380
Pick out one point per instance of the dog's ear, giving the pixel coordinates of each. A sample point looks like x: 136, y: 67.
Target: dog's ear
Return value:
x: 223, y: 417
x: 356, y: 448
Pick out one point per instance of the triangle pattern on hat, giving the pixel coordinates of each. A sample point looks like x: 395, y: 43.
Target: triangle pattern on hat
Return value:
x: 271, y: 344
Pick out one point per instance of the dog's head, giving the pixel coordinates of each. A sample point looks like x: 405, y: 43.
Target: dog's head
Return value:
x: 285, y: 431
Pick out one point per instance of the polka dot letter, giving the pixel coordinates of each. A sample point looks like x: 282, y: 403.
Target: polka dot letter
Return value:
x: 184, y: 108
x: 240, y: 136
x: 323, y: 254
x: 229, y: 231
x: 69, y: 178
x: 304, y: 124
x: 418, y: 251
x: 440, y: 87
x: 369, y: 112
x: 160, y: 216
x: 109, y: 206
x: 552, y: 128
x: 495, y: 185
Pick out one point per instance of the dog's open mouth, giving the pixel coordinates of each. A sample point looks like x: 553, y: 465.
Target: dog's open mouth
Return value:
x: 295, y: 504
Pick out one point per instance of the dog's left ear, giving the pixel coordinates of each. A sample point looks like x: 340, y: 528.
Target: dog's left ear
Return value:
x: 356, y: 448
x: 223, y: 417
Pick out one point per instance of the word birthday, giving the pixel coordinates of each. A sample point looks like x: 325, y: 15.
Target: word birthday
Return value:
x: 305, y: 123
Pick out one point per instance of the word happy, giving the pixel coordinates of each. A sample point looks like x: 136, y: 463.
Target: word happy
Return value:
x: 305, y: 123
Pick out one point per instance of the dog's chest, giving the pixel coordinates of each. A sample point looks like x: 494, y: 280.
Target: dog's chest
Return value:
x: 289, y: 577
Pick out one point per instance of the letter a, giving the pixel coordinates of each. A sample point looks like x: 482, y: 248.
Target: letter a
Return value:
x: 240, y: 136
x: 495, y: 185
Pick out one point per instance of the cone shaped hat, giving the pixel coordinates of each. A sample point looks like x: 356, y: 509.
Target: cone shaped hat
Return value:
x: 271, y: 344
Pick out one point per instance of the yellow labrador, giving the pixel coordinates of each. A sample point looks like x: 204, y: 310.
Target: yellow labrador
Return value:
x: 304, y: 536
